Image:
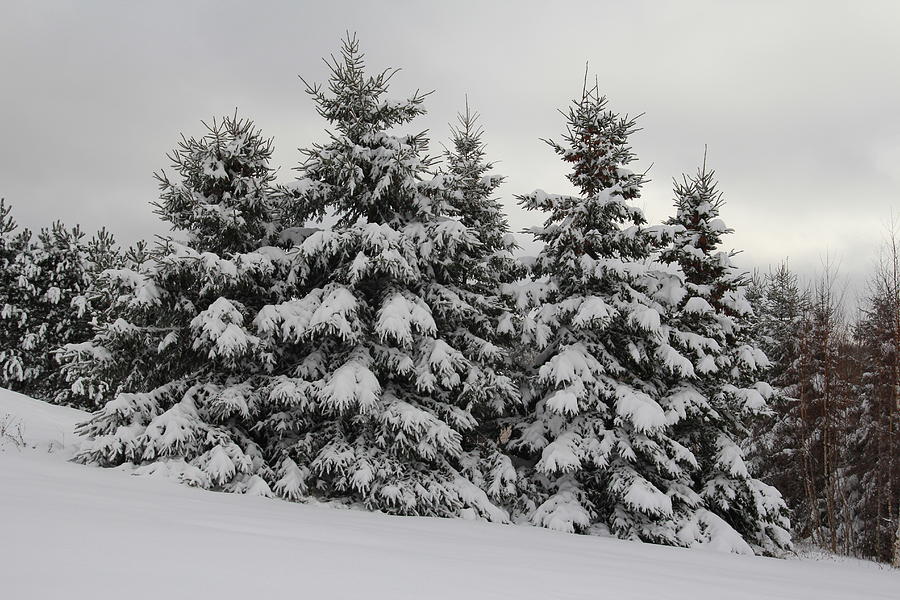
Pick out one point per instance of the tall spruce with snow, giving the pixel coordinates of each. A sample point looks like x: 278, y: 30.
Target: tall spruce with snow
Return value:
x: 488, y: 267
x: 179, y: 364
x: 600, y: 423
x: 399, y: 343
x: 472, y: 185
x: 726, y: 392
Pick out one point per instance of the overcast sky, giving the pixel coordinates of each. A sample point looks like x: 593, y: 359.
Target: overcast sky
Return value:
x: 799, y: 102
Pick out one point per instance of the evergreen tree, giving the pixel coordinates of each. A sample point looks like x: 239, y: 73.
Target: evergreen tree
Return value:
x: 43, y: 285
x: 93, y: 304
x: 16, y: 250
x: 724, y: 395
x: 489, y: 267
x: 599, y: 430
x: 397, y: 329
x: 472, y: 185
x: 60, y: 278
x: 220, y: 197
x: 178, y: 363
x: 776, y: 453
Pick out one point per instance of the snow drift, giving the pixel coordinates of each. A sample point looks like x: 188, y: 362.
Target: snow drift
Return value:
x: 70, y: 531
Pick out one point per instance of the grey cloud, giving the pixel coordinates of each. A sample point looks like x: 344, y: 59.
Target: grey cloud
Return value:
x: 797, y: 101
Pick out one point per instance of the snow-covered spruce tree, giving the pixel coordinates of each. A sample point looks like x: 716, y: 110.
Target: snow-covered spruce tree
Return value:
x: 16, y: 254
x: 599, y: 432
x: 724, y: 395
x: 44, y: 280
x: 395, y: 328
x: 57, y: 317
x: 468, y: 176
x: 92, y: 304
x: 178, y: 364
x: 487, y: 268
x: 776, y: 451
x: 220, y: 198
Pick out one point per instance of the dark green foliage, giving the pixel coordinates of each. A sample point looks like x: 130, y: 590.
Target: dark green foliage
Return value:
x: 47, y: 302
x: 220, y: 196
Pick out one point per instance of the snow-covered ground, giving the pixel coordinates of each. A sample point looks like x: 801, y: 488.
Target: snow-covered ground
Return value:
x: 71, y: 532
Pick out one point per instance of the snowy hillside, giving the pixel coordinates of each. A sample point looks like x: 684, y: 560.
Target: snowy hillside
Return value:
x: 69, y: 531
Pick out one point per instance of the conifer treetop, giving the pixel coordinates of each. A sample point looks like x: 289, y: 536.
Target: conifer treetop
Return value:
x: 7, y: 223
x: 364, y: 171
x: 354, y: 102
x: 697, y: 203
x: 602, y: 222
x: 467, y: 158
x: 468, y: 174
x: 221, y: 194
x: 596, y: 143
